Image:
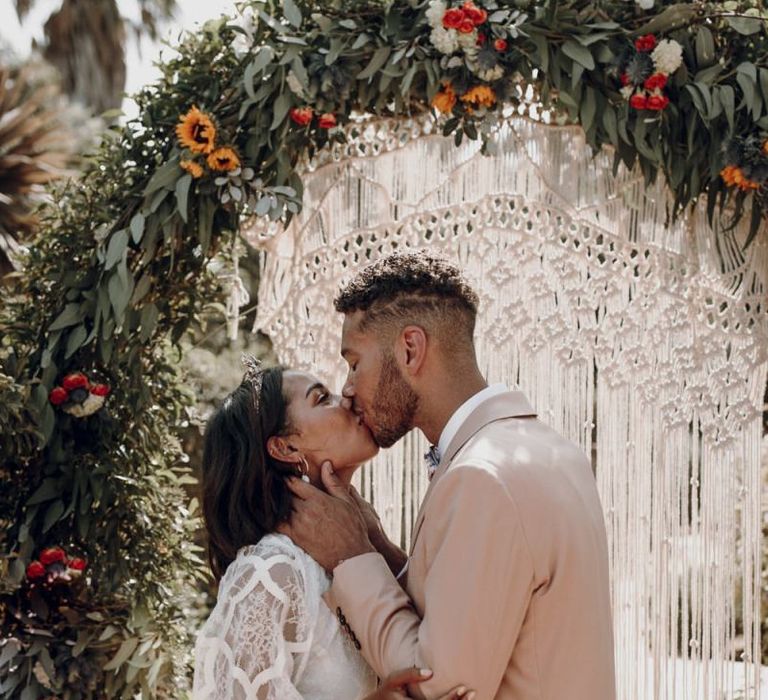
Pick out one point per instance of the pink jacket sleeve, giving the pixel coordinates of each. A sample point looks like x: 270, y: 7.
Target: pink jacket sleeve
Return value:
x: 478, y: 583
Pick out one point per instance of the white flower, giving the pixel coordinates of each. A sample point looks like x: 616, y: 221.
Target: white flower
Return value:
x: 667, y: 56
x: 295, y: 84
x: 627, y: 91
x: 645, y: 4
x: 92, y: 404
x: 444, y: 40
x: 435, y: 13
x: 491, y: 74
x: 468, y: 41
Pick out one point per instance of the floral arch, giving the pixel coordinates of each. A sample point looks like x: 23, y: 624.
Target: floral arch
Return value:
x: 248, y: 120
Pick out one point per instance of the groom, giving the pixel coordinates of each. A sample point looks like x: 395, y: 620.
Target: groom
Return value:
x: 506, y: 587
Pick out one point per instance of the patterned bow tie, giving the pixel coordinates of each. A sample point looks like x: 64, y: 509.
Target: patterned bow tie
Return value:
x: 431, y: 459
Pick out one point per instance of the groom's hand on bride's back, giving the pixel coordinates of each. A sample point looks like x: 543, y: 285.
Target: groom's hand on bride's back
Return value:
x: 328, y: 526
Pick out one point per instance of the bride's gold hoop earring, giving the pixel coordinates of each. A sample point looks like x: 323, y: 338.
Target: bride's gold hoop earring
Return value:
x: 305, y: 470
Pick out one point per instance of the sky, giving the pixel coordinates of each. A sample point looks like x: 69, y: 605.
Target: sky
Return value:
x: 140, y: 59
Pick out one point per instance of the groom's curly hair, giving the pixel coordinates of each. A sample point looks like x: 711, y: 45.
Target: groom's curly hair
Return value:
x: 415, y: 287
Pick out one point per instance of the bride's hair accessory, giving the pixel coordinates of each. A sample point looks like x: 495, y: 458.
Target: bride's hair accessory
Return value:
x: 254, y: 375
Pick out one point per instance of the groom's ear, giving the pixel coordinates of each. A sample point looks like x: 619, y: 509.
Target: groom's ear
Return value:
x: 413, y: 349
x: 279, y: 449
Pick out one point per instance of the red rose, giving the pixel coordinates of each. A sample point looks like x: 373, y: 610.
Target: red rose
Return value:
x: 500, y: 44
x: 624, y: 77
x: 656, y: 81
x: 327, y: 121
x: 77, y: 564
x: 301, y: 115
x: 472, y: 12
x: 35, y: 570
x: 453, y: 18
x: 467, y: 26
x: 657, y: 102
x: 76, y: 380
x: 638, y: 101
x: 480, y: 38
x: 100, y: 389
x: 645, y: 43
x: 51, y: 555
x: 58, y: 396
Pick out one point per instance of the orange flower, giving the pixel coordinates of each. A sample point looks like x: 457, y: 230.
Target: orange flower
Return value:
x: 223, y: 159
x: 445, y: 100
x: 765, y: 147
x: 733, y: 175
x: 194, y: 169
x: 196, y: 131
x: 480, y: 95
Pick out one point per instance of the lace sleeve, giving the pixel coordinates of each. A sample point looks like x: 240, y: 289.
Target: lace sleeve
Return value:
x: 255, y: 642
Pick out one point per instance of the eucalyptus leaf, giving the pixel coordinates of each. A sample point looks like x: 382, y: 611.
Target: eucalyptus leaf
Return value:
x: 117, y: 245
x: 282, y: 105
x: 52, y: 515
x: 123, y: 653
x: 75, y: 341
x: 137, y: 227
x: 579, y: 53
x: 182, y: 196
x: 378, y: 59
x: 292, y: 12
x: 71, y: 315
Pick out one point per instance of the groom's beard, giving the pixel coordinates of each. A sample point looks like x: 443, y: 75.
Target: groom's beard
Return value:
x: 395, y: 405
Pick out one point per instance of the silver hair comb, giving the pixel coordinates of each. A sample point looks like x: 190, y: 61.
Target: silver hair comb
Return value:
x: 254, y: 375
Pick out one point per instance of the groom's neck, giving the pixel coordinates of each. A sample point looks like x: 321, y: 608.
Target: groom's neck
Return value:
x: 442, y: 398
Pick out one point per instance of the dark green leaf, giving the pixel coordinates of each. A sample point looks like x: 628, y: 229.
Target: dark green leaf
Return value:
x: 282, y: 105
x: 149, y: 316
x: 75, y: 340
x: 47, y: 491
x: 705, y: 47
x: 745, y: 25
x: 52, y: 515
x: 182, y: 195
x: 165, y: 177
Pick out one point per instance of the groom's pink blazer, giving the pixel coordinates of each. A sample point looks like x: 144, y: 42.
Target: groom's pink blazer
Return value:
x: 507, y: 586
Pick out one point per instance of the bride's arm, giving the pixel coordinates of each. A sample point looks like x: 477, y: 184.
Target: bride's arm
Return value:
x: 256, y: 640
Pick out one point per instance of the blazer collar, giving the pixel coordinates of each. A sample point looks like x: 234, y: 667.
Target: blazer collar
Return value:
x: 510, y: 404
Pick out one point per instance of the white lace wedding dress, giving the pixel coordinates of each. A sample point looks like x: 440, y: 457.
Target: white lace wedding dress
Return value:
x: 272, y: 637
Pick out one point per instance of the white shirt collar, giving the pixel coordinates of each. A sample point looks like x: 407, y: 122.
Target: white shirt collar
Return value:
x: 462, y: 413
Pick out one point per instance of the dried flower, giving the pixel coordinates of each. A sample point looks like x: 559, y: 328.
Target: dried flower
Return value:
x: 326, y: 121
x: 435, y: 13
x: 444, y: 40
x: 223, y: 159
x: 196, y: 132
x: 77, y: 564
x: 301, y: 115
x: 194, y: 169
x: 445, y: 100
x: 103, y: 389
x: 479, y: 96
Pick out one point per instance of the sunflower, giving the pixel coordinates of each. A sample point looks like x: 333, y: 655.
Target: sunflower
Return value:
x: 196, y: 131
x: 445, y: 100
x: 223, y: 159
x: 480, y: 95
x: 194, y: 169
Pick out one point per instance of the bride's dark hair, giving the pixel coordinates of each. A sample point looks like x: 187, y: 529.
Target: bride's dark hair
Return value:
x: 244, y: 491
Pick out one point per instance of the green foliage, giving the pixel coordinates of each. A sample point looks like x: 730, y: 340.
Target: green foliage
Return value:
x: 119, y: 271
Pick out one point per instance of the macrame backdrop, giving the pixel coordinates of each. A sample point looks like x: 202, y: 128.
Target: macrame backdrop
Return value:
x: 645, y: 342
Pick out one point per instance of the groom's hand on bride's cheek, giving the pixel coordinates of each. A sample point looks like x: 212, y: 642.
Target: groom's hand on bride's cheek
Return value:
x: 328, y: 526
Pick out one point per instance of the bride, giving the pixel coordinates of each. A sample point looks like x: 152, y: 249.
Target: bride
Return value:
x: 270, y: 635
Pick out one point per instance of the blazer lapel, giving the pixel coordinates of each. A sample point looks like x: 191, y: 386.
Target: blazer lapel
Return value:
x: 511, y: 404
